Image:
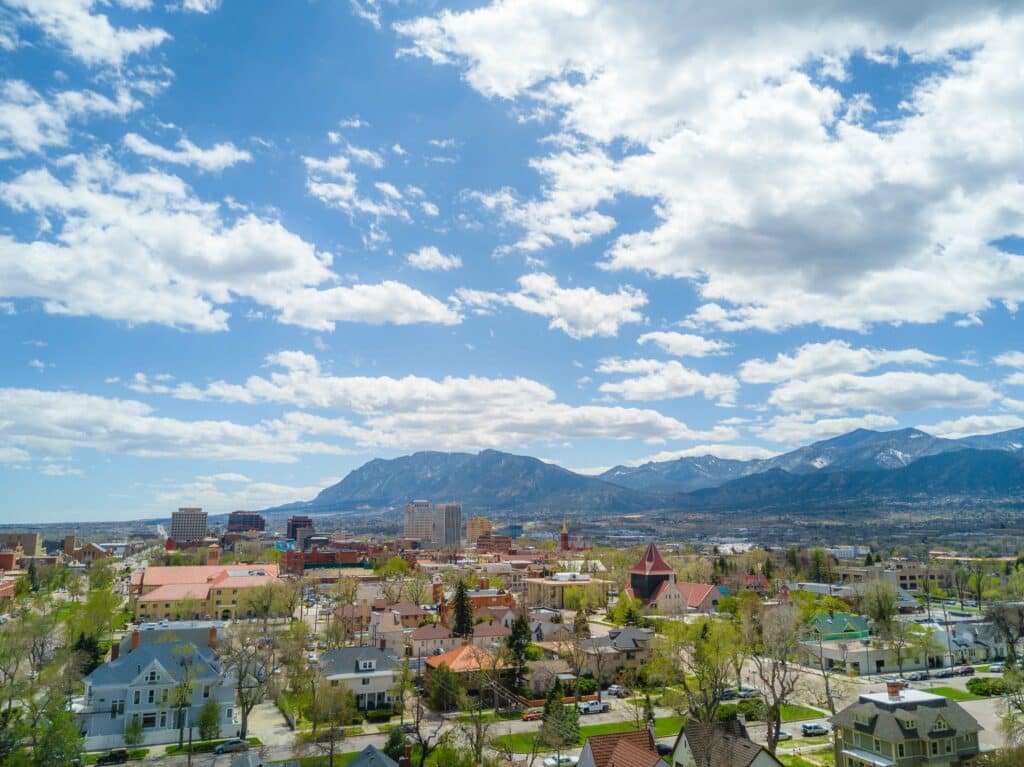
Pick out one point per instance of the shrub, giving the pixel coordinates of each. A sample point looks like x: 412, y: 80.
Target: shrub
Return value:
x: 378, y: 715
x: 753, y: 709
x: 988, y: 687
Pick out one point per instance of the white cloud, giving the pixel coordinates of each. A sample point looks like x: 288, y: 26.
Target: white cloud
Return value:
x: 430, y: 208
x: 1017, y: 379
x: 367, y: 10
x: 802, y: 428
x: 578, y: 312
x: 1010, y: 359
x: 31, y: 123
x: 88, y: 36
x: 974, y: 424
x: 141, y: 247
x: 429, y: 258
x: 210, y: 493
x: 657, y: 380
x: 200, y: 6
x: 684, y: 344
x: 13, y: 455
x: 452, y: 413
x: 216, y: 158
x: 775, y: 196
x: 365, y: 156
x: 896, y: 392
x: 62, y: 422
x: 38, y: 365
x: 820, y: 359
x: 335, y: 184
x: 7, y: 308
x: 728, y: 452
x: 397, y: 149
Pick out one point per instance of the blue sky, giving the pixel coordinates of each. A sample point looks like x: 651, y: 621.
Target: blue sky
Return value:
x: 247, y: 246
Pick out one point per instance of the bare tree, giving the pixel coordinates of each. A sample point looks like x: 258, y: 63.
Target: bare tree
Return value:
x: 774, y: 641
x: 250, y: 665
x: 813, y: 647
x: 1008, y: 619
x: 425, y: 734
x: 335, y: 707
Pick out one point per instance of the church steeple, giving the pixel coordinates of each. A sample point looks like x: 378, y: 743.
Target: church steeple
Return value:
x: 564, y: 538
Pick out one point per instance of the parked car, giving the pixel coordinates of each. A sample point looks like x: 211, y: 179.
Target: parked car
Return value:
x: 532, y: 715
x: 561, y: 761
x: 965, y: 671
x: 727, y: 694
x: 918, y: 676
x: 996, y: 668
x: 748, y: 692
x: 945, y: 673
x: 117, y: 756
x: 409, y: 728
x: 617, y: 690
x: 663, y: 749
x: 231, y: 746
x: 813, y: 730
x: 783, y: 735
x: 592, y: 707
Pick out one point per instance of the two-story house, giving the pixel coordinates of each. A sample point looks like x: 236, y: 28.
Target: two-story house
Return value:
x: 625, y: 649
x: 369, y: 672
x: 163, y: 684
x: 906, y: 728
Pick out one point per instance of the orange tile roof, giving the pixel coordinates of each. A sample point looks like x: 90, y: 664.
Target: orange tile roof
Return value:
x: 465, y: 658
x: 602, y: 747
x: 164, y: 576
x: 174, y: 592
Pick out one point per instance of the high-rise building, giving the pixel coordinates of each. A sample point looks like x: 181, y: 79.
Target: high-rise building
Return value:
x: 419, y: 520
x: 447, y: 524
x: 475, y: 527
x: 297, y: 523
x: 188, y: 524
x: 243, y: 521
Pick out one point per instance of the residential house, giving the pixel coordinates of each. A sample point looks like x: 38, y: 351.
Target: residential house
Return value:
x: 433, y: 639
x: 142, y: 684
x: 634, y: 748
x: 910, y: 728
x: 720, y: 744
x: 839, y: 626
x: 369, y: 672
x: 622, y: 650
x: 541, y: 674
x: 471, y: 663
x: 699, y: 597
x: 371, y: 756
x: 488, y: 635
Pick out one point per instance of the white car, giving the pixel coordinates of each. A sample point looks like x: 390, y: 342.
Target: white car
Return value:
x: 561, y: 761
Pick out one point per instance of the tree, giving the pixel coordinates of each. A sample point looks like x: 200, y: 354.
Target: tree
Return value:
x: 394, y: 746
x: 60, y: 742
x: 417, y: 587
x: 773, y: 641
x: 445, y: 691
x: 1004, y: 757
x: 209, y: 720
x: 425, y: 736
x: 181, y: 693
x: 403, y: 681
x: 518, y: 643
x: 560, y: 724
x: 101, y: 575
x: 133, y: 732
x: 262, y: 602
x: 1008, y: 620
x: 879, y: 603
x: 704, y: 657
x: 961, y: 583
x: 463, y: 611
x: 33, y: 576
x: 335, y: 708
x: 250, y: 666
x: 813, y: 647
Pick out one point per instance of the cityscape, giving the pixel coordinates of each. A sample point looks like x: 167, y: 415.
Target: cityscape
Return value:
x: 511, y: 383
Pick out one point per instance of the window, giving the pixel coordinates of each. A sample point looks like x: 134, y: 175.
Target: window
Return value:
x: 138, y: 697
x: 149, y: 721
x: 900, y: 750
x: 229, y: 715
x: 206, y: 691
x: 366, y: 680
x: 935, y: 748
x: 152, y: 676
x: 163, y: 718
x: 949, y: 745
x: 163, y: 695
x: 152, y: 696
x: 878, y: 746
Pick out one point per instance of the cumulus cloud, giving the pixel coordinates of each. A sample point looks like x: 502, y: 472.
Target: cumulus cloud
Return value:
x: 820, y: 359
x: 970, y: 425
x: 1010, y: 359
x: 780, y: 199
x: 657, y: 380
x: 801, y: 428
x: 88, y: 36
x: 141, y: 247
x: 577, y: 312
x: 216, y: 158
x: 430, y: 259
x: 221, y: 493
x: 684, y: 344
x: 415, y: 412
x: 896, y: 392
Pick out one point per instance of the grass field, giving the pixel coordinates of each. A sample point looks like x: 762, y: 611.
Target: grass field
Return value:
x: 953, y: 693
x: 522, y: 742
x: 792, y: 713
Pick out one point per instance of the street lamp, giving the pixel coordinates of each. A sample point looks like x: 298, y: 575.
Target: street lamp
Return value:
x: 867, y: 655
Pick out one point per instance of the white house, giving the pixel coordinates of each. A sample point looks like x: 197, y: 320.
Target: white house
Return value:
x: 369, y: 672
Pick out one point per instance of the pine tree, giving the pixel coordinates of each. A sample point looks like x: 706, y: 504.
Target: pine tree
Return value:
x: 517, y: 643
x: 463, y: 610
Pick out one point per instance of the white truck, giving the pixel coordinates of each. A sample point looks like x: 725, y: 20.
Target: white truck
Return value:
x: 592, y: 707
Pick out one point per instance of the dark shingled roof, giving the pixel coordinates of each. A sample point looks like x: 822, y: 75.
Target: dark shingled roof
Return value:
x: 371, y: 756
x: 937, y: 716
x: 721, y: 744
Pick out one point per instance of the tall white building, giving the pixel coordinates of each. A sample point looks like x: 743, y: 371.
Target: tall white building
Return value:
x: 447, y: 524
x: 419, y: 520
x: 188, y: 524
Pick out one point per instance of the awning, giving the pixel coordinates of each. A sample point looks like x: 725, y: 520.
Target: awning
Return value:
x: 868, y: 757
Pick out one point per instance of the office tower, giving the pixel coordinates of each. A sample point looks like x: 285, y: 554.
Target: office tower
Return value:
x: 419, y: 521
x: 243, y: 521
x: 448, y: 524
x: 475, y: 527
x: 188, y: 524
x: 297, y: 523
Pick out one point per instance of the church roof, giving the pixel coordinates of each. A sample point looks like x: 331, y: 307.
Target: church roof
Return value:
x: 651, y: 563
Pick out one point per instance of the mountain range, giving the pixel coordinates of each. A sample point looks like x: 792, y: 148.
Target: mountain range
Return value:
x: 860, y: 466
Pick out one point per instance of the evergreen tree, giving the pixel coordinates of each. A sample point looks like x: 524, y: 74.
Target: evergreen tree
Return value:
x: 869, y: 560
x: 445, y: 692
x: 463, y: 610
x: 769, y: 568
x: 518, y: 643
x: 395, y: 745
x: 560, y: 724
x: 133, y: 732
x: 60, y: 742
x: 33, y: 576
x: 209, y: 720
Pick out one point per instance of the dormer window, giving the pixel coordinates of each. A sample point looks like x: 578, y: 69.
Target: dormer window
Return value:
x: 367, y: 665
x: 152, y: 676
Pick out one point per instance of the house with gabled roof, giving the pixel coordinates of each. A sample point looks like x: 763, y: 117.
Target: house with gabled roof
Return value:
x: 635, y: 748
x: 719, y: 744
x: 142, y: 682
x: 839, y: 626
x: 653, y: 582
x: 369, y: 672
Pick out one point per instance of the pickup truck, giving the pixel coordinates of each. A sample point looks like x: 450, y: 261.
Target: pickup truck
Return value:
x: 592, y: 707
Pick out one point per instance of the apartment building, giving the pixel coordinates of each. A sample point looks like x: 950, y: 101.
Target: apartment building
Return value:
x: 447, y: 524
x: 188, y: 525
x: 475, y: 527
x: 419, y: 520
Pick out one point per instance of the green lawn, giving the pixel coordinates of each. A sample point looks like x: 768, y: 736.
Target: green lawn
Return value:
x: 522, y: 742
x: 793, y: 713
x: 135, y: 754
x: 953, y: 693
x: 489, y: 716
x: 817, y: 759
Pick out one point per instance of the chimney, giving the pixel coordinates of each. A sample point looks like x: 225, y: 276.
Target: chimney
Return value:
x: 115, y: 651
x: 484, y: 583
x: 212, y: 641
x: 437, y: 592
x: 405, y: 760
x: 135, y: 641
x: 382, y: 643
x: 69, y: 545
x: 893, y: 689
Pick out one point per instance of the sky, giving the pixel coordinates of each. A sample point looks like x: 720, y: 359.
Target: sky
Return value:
x: 246, y: 246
